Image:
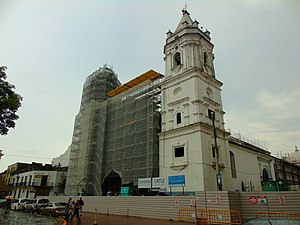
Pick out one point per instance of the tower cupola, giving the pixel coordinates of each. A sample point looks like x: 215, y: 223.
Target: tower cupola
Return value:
x: 188, y: 47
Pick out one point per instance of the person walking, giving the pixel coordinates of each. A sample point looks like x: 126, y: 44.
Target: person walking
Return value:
x: 76, y: 211
x: 81, y: 204
x: 8, y: 205
x: 67, y: 209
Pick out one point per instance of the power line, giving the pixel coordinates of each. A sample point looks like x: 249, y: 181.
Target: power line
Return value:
x: 31, y: 157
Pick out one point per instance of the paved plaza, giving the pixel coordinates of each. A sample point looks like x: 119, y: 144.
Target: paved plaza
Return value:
x: 102, y: 219
x: 21, y: 218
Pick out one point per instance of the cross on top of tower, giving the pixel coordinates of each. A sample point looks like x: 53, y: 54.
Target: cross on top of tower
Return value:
x: 184, y: 10
x: 185, y: 6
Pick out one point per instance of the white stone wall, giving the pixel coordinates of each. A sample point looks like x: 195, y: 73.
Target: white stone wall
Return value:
x: 190, y: 165
x: 247, y: 169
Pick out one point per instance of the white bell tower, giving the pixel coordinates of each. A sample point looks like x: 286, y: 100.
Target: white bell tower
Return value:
x: 192, y: 113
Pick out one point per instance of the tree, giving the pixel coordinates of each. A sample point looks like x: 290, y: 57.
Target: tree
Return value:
x: 9, y: 103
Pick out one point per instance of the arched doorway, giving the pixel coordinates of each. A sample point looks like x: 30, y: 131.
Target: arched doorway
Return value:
x: 265, y: 175
x: 112, y: 183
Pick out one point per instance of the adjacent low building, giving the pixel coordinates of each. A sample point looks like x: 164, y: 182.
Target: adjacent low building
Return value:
x: 37, y: 179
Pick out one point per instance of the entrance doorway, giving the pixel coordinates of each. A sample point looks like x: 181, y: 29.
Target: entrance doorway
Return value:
x: 111, y: 184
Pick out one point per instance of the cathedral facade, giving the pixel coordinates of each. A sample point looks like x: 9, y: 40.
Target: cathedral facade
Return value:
x: 164, y: 126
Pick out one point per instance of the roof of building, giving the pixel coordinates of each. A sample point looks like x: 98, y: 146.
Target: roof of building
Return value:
x: 149, y: 75
x: 185, y: 20
x: 247, y: 145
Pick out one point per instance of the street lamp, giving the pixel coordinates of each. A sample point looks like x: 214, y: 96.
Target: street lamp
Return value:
x: 211, y: 115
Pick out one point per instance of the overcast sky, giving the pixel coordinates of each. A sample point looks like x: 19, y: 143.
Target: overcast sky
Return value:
x: 51, y: 46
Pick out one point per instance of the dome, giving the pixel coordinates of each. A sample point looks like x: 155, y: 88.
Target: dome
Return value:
x: 295, y: 156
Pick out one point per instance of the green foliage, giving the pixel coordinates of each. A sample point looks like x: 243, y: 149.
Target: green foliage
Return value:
x: 9, y: 103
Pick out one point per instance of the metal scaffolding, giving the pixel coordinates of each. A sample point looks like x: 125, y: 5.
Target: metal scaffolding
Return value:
x: 115, y: 132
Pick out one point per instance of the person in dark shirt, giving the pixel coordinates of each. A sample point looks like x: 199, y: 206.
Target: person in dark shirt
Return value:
x: 76, y: 210
x: 81, y: 204
x: 8, y: 205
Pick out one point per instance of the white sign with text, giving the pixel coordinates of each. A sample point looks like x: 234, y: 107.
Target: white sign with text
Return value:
x: 144, y: 183
x: 158, y: 182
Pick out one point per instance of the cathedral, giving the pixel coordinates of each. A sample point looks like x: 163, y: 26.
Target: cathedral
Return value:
x: 167, y: 126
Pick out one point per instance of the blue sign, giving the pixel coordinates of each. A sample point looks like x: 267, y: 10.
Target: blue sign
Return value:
x: 176, y: 181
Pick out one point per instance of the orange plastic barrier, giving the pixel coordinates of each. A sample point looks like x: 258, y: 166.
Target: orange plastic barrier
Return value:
x: 232, y: 217
x: 204, y: 216
x: 188, y: 215
x: 277, y: 215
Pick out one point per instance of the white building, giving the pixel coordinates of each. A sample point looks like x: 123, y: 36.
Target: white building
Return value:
x: 38, y: 182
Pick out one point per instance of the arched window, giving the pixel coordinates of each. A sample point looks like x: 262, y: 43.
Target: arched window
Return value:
x: 213, y: 150
x: 243, y: 186
x: 232, y: 163
x: 177, y: 59
x: 178, y: 118
x: 205, y: 58
x: 265, y: 175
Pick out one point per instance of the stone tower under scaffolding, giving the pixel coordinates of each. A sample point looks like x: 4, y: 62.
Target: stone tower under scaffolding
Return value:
x: 115, y: 137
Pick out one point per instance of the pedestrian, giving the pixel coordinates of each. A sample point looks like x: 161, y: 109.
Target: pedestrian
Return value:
x: 71, y: 208
x: 8, y: 205
x: 76, y: 211
x: 81, y: 204
x: 67, y: 209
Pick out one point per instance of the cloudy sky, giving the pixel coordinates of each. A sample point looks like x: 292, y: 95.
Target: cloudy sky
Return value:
x: 51, y: 46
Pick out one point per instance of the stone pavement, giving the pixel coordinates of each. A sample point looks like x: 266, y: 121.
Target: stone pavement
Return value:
x: 20, y: 218
x: 103, y: 219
